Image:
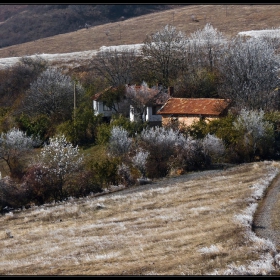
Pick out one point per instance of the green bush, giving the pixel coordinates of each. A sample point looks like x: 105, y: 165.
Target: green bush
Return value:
x: 39, y: 125
x: 105, y: 172
x: 83, y: 129
x: 103, y: 134
x: 131, y: 127
x: 274, y: 119
x: 82, y: 184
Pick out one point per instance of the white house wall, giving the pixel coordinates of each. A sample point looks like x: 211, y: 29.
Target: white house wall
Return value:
x: 150, y: 117
x: 98, y: 109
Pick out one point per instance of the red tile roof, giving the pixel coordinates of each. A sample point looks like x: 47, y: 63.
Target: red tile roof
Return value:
x: 158, y: 99
x: 194, y: 106
x: 97, y: 96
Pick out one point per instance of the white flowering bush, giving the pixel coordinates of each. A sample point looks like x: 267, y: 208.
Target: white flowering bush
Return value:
x: 56, y: 164
x: 190, y: 156
x: 257, y: 134
x: 52, y: 94
x: 119, y: 142
x: 164, y: 137
x: 13, y: 145
x: 205, y: 46
x: 213, y: 147
x: 140, y: 160
x: 161, y: 143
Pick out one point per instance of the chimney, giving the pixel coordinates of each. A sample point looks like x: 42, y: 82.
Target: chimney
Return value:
x: 170, y: 91
x: 159, y: 86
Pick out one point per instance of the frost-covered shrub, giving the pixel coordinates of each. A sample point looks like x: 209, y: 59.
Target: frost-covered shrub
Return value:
x: 190, y: 156
x: 125, y: 175
x: 140, y: 161
x: 161, y: 143
x: 57, y: 162
x: 13, y: 145
x: 52, y: 95
x: 119, y: 142
x: 256, y: 133
x: 213, y: 147
x: 164, y: 137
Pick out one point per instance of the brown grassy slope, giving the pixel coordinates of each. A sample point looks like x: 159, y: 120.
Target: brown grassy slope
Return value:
x: 229, y: 19
x: 187, y: 225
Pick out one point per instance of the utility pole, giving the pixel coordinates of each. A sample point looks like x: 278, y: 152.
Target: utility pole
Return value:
x: 74, y: 115
x: 120, y: 32
x: 74, y: 101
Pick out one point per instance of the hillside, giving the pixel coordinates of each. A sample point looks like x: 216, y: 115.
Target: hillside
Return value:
x: 25, y: 23
x: 229, y: 19
x: 194, y: 224
x: 103, y: 219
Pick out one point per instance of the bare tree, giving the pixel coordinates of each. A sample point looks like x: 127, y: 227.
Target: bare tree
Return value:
x: 118, y: 67
x: 205, y: 46
x: 165, y: 53
x: 249, y: 72
x: 139, y: 97
x: 16, y: 79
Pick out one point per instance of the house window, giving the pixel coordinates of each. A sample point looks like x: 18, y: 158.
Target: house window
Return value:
x: 155, y: 109
x: 105, y: 108
x: 201, y: 118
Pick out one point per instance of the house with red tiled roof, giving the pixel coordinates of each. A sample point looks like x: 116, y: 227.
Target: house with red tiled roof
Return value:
x: 187, y: 110
x: 151, y: 107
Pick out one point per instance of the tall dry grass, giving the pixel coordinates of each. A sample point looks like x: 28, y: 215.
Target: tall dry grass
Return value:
x: 194, y: 224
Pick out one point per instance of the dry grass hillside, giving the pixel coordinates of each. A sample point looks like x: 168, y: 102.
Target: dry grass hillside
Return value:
x: 198, y: 223
x: 229, y: 19
x: 194, y: 224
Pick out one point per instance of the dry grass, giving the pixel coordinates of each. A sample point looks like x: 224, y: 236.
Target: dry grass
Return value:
x: 194, y: 224
x: 229, y: 19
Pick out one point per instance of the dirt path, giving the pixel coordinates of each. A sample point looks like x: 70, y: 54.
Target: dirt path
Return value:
x: 267, y: 212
